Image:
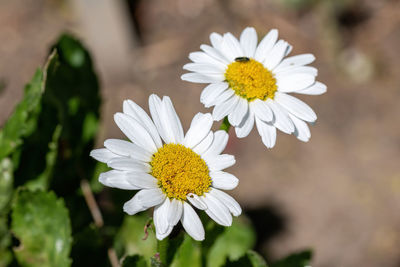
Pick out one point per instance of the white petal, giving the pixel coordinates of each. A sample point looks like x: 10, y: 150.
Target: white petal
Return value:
x: 218, y: 145
x: 211, y: 92
x: 218, y: 100
x: 201, y: 57
x: 128, y: 149
x: 281, y: 118
x: 202, y: 147
x: 196, y: 201
x: 202, y: 78
x: 144, y: 199
x: 135, y: 132
x: 262, y: 110
x: 230, y: 47
x: 244, y: 128
x: 128, y: 164
x: 228, y: 201
x: 141, y: 180
x: 216, y: 40
x: 103, y: 155
x: 220, y: 162
x: 199, y: 129
x: 299, y: 60
x: 135, y: 111
x: 294, y: 82
x: 316, y: 89
x: 295, y: 106
x: 297, y: 69
x: 191, y: 223
x: 160, y: 217
x: 217, y: 211
x: 276, y: 55
x: 172, y: 123
x: 223, y: 109
x: 267, y: 133
x: 236, y: 116
x: 116, y: 179
x: 266, y: 45
x: 302, y: 132
x: 223, y: 180
x: 248, y: 41
x: 204, y: 68
x: 175, y: 212
x: 211, y: 51
x: 162, y: 236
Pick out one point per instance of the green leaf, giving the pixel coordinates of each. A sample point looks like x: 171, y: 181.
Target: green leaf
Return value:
x: 130, y: 238
x: 134, y: 261
x: 5, y: 242
x: 300, y: 259
x: 232, y: 244
x: 250, y: 259
x: 6, y: 184
x: 41, y: 224
x: 188, y: 254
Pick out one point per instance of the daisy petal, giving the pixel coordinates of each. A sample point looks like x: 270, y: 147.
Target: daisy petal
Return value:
x: 230, y: 47
x: 236, y: 116
x: 220, y: 162
x: 216, y: 40
x: 294, y: 82
x: 262, y: 110
x: 202, y: 147
x: 211, y: 92
x: 266, y: 45
x: 302, y: 132
x: 203, y: 68
x: 202, y: 78
x: 218, y: 145
x: 316, y: 89
x: 281, y: 119
x: 191, y: 223
x: 211, y: 51
x: 228, y: 201
x: 160, y: 217
x: 128, y: 164
x: 222, y: 110
x: 217, y: 211
x: 248, y: 41
x: 223, y: 180
x: 175, y: 210
x: 244, y: 128
x: 144, y: 199
x: 135, y: 111
x: 299, y: 60
x: 276, y: 54
x: 162, y: 236
x: 267, y: 133
x: 296, y: 107
x: 141, y: 180
x: 196, y: 201
x: 127, y: 149
x: 116, y: 179
x: 173, y: 125
x: 204, y: 58
x: 293, y: 70
x: 218, y: 100
x: 199, y: 129
x: 103, y: 155
x: 135, y: 132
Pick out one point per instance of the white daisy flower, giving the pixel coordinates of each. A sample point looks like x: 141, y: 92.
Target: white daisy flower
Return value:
x: 172, y: 171
x: 250, y: 83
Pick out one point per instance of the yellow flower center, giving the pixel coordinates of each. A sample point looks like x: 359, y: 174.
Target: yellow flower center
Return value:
x: 180, y: 171
x: 251, y: 80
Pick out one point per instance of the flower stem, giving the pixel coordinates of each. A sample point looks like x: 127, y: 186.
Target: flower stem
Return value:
x: 162, y: 247
x: 225, y: 125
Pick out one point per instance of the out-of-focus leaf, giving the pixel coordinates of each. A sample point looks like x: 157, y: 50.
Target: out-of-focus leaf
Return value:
x: 300, y: 259
x: 188, y: 254
x: 129, y: 239
x: 5, y: 242
x: 41, y: 223
x: 232, y: 244
x: 6, y: 183
x: 250, y: 259
x: 134, y: 261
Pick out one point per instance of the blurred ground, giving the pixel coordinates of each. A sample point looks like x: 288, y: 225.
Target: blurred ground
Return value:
x: 339, y: 193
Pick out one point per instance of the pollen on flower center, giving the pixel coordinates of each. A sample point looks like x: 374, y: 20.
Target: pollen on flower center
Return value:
x: 251, y: 80
x: 180, y: 171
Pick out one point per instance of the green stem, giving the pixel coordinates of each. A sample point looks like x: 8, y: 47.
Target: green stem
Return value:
x: 225, y: 125
x: 162, y: 247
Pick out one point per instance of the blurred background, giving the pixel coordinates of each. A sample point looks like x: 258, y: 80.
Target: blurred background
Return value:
x: 338, y: 194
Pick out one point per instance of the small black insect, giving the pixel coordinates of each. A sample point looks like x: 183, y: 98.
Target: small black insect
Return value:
x: 242, y: 59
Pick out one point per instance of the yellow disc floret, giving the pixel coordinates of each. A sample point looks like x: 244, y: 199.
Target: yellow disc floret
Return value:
x: 251, y: 80
x: 180, y: 171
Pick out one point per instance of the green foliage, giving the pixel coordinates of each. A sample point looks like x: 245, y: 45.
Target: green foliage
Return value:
x: 134, y: 261
x: 250, y: 259
x: 188, y: 254
x: 300, y: 259
x: 41, y: 223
